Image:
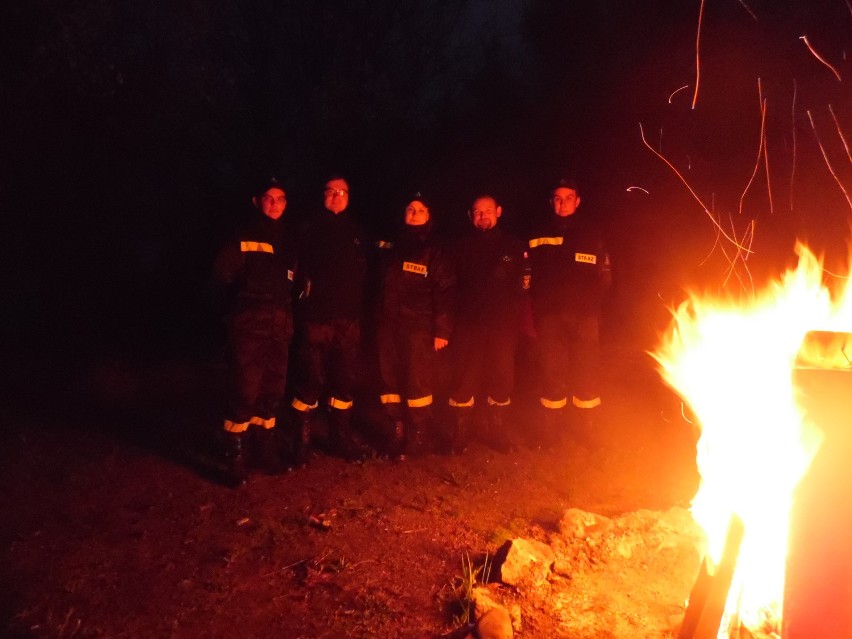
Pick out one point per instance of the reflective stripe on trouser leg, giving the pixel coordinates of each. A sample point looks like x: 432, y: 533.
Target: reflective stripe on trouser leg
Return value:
x: 586, y: 403
x: 419, y: 402
x: 455, y: 403
x: 235, y: 427
x: 301, y: 406
x: 390, y: 398
x: 263, y: 422
x: 339, y: 404
x: 554, y: 404
x: 494, y: 402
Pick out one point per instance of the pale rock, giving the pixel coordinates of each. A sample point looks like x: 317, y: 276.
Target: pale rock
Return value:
x: 579, y: 524
x: 525, y: 561
x: 483, y: 601
x: 495, y: 624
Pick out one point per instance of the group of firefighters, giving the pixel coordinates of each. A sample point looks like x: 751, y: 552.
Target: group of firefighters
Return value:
x: 470, y: 297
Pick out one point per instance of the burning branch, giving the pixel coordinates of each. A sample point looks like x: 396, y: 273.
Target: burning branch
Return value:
x: 710, y: 592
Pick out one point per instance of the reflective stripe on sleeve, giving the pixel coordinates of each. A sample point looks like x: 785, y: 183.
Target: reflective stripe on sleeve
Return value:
x: 494, y: 402
x: 339, y: 404
x: 543, y: 241
x: 419, y: 402
x: 302, y: 407
x: 554, y: 403
x: 586, y: 403
x: 256, y: 247
x: 236, y: 427
x: 390, y: 398
x: 455, y: 404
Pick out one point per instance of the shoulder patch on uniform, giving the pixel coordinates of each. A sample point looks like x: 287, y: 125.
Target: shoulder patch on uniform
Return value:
x: 382, y: 244
x: 588, y: 258
x: 544, y: 241
x: 411, y: 267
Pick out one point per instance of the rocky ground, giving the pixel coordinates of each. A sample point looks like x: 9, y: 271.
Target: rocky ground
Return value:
x: 115, y: 523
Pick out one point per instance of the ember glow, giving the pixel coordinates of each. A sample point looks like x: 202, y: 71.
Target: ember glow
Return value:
x: 732, y: 362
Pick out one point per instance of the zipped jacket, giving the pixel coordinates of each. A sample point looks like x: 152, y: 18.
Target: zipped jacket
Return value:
x: 417, y: 282
x: 256, y: 269
x: 569, y: 265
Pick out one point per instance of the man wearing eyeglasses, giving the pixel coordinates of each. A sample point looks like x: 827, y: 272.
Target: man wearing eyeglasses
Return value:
x: 332, y: 265
x: 255, y: 273
x: 570, y: 274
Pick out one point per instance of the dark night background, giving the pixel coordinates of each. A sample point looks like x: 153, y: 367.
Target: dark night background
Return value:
x: 132, y: 130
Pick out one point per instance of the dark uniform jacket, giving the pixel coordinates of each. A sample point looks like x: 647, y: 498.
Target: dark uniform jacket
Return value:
x: 256, y: 269
x: 570, y: 267
x: 332, y: 265
x: 417, y: 282
x: 490, y: 269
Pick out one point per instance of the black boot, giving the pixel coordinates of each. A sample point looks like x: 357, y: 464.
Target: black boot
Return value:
x: 235, y: 459
x: 396, y: 439
x: 342, y: 439
x: 268, y: 450
x: 418, y: 433
x: 553, y: 428
x: 497, y: 435
x: 462, y: 429
x: 301, y: 438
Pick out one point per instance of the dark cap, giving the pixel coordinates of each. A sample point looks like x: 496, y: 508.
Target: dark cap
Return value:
x: 265, y: 183
x: 566, y: 183
x: 420, y: 197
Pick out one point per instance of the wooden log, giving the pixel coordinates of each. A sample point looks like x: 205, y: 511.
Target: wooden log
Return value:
x: 710, y: 592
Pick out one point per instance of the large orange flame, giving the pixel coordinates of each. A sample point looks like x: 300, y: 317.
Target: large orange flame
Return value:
x: 732, y: 362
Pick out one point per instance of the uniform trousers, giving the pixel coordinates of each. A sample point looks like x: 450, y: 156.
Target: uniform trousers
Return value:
x: 328, y: 354
x: 258, y: 352
x: 406, y: 368
x: 570, y: 358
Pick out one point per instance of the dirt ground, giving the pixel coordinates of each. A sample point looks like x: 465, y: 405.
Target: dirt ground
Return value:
x: 115, y: 526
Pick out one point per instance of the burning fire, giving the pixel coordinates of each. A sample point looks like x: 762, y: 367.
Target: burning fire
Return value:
x: 732, y: 361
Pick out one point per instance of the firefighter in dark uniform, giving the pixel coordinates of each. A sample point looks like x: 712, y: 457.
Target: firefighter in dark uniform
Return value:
x: 570, y: 274
x: 413, y: 323
x: 490, y: 271
x: 255, y: 271
x: 332, y: 265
